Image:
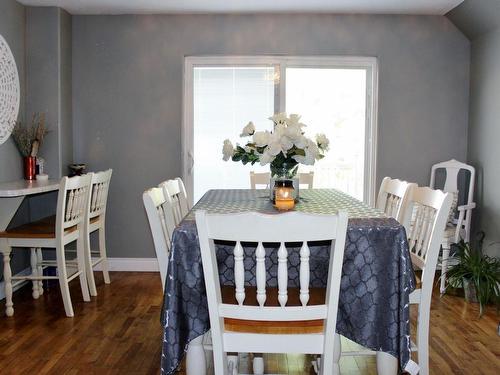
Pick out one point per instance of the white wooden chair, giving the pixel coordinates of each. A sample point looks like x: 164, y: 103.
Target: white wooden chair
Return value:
x: 426, y: 211
x: 95, y: 221
x: 391, y: 196
x: 259, y: 178
x: 307, y: 178
x: 289, y: 324
x: 426, y: 214
x: 161, y: 221
x: 456, y: 229
x: 175, y: 193
x: 53, y: 232
x: 264, y: 178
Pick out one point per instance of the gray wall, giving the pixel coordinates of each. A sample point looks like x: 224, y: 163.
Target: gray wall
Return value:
x: 480, y: 21
x: 49, y: 70
x: 12, y: 28
x: 127, y: 92
x: 40, y: 39
x: 484, y: 133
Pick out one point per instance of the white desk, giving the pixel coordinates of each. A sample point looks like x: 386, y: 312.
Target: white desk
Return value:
x: 11, y: 197
x: 13, y: 193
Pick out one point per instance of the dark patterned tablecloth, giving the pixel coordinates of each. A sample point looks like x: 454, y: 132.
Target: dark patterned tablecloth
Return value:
x: 377, y: 275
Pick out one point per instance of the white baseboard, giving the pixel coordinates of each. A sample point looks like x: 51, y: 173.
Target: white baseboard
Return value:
x: 25, y: 272
x: 131, y: 265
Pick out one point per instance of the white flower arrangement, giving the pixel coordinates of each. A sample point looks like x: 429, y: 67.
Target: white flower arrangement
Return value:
x: 283, y: 148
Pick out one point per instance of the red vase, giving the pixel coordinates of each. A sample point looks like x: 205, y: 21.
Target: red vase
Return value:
x: 29, y: 168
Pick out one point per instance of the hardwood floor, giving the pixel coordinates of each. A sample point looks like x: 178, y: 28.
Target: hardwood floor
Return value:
x: 119, y: 332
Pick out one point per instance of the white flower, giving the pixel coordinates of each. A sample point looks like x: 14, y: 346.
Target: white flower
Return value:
x: 274, y: 148
x: 279, y: 130
x: 279, y: 118
x: 261, y: 139
x: 293, y: 132
x: 293, y: 119
x: 227, y: 150
x: 311, y: 154
x: 323, y: 142
x: 248, y: 130
x: 312, y: 149
x: 301, y: 142
x: 249, y: 149
x: 265, y: 158
x: 286, y: 143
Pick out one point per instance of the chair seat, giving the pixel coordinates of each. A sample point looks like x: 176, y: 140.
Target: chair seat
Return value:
x: 43, y: 228
x: 94, y: 220
x: 316, y: 297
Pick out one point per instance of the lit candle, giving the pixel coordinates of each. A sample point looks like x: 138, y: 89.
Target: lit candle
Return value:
x: 284, y: 198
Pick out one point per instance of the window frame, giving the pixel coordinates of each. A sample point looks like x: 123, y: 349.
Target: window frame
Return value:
x: 370, y: 64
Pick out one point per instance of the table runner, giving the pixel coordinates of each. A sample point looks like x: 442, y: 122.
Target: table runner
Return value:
x: 377, y: 275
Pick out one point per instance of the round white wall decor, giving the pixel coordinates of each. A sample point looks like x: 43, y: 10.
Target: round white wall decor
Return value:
x: 9, y: 91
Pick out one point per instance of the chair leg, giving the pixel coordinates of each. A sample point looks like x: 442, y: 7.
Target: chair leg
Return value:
x: 258, y: 364
x: 39, y: 256
x: 330, y: 364
x: 102, y: 253
x: 232, y: 363
x: 63, y: 281
x: 80, y: 254
x: 444, y: 268
x: 7, y: 275
x: 88, y: 265
x: 34, y: 272
x: 423, y: 340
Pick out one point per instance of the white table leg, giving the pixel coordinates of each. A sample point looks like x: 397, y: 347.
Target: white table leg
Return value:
x: 258, y: 364
x: 8, y: 208
x: 7, y: 274
x: 39, y: 256
x: 34, y: 272
x: 386, y: 364
x: 195, y: 358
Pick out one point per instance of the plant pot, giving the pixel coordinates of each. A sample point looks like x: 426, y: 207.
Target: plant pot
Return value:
x: 29, y: 168
x: 469, y: 291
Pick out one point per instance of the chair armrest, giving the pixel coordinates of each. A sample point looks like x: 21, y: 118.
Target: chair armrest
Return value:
x: 466, y: 207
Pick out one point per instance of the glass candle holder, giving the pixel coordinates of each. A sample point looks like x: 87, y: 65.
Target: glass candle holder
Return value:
x: 284, y: 195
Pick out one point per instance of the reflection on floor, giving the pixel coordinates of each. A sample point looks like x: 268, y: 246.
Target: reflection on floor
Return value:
x: 119, y: 332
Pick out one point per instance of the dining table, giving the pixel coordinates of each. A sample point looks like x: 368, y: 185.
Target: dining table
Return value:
x: 377, y: 277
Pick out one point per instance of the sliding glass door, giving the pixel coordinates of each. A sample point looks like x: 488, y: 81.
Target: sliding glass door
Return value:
x: 334, y: 95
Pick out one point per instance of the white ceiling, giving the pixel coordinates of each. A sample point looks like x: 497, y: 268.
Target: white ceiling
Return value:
x: 438, y: 7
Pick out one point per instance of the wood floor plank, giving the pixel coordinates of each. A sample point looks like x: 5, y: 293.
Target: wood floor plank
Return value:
x: 119, y: 332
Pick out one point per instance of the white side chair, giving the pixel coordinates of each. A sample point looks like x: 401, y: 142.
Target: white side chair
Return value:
x: 426, y: 214
x: 289, y: 324
x: 161, y: 221
x: 95, y: 220
x: 259, y: 178
x: 307, y: 179
x: 426, y: 211
x: 391, y: 196
x: 456, y: 229
x: 175, y: 193
x: 53, y: 232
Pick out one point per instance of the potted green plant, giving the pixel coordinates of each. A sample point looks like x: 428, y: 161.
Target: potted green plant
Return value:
x: 28, y: 139
x: 477, y: 273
